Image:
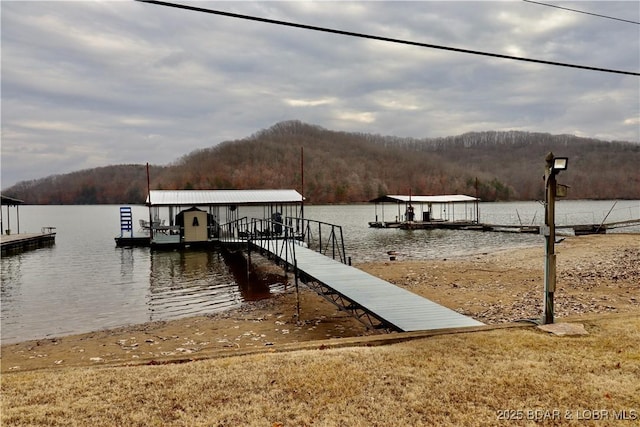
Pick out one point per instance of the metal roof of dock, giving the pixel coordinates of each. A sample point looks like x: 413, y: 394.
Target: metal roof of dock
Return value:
x: 447, y: 198
x: 10, y: 201
x: 222, y: 197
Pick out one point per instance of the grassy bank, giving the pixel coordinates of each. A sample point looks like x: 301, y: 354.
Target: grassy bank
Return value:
x: 481, y: 378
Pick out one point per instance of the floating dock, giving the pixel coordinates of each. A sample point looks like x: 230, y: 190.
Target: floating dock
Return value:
x: 133, y: 241
x: 578, y: 229
x: 17, y: 243
x: 411, y: 212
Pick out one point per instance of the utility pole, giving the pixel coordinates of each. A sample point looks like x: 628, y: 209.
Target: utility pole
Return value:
x: 550, y: 239
x: 553, y: 165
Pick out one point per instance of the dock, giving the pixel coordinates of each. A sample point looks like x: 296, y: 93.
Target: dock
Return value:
x: 412, y: 212
x: 578, y: 229
x: 375, y: 302
x: 16, y: 243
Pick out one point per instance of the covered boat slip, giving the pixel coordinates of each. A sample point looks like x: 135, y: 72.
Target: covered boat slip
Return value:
x: 414, y: 212
x: 186, y: 218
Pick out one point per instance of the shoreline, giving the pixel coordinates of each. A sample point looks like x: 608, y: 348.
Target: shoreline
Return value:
x: 597, y: 274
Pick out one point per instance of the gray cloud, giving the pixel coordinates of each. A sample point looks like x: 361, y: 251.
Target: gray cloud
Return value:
x: 88, y: 84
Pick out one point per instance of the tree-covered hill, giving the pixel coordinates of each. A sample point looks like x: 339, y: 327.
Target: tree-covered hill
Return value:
x: 341, y: 167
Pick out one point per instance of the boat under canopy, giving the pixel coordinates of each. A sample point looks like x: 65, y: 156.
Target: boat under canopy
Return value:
x: 426, y: 211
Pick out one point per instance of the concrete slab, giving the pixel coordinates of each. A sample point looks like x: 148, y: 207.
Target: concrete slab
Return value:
x: 564, y: 329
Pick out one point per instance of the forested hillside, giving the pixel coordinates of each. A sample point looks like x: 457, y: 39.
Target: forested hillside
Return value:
x: 342, y: 167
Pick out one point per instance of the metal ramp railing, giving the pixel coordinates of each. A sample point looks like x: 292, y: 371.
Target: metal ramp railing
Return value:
x: 315, y: 251
x: 322, y: 237
x: 279, y: 240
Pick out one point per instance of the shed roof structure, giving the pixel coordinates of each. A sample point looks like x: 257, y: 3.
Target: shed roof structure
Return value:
x: 222, y: 197
x: 10, y: 201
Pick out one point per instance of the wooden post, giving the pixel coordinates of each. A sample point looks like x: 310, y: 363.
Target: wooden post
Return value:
x: 302, y: 181
x: 476, y: 202
x: 150, y: 214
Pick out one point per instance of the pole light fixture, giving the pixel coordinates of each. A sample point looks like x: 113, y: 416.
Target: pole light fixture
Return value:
x: 560, y: 164
x: 553, y: 166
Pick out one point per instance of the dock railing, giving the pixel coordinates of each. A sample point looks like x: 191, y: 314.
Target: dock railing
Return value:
x: 270, y: 235
x: 322, y: 237
x: 281, y: 237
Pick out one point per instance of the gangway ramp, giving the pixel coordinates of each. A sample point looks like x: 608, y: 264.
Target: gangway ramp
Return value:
x: 362, y: 293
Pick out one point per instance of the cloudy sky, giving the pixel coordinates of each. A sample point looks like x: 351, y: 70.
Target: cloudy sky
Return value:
x: 87, y: 84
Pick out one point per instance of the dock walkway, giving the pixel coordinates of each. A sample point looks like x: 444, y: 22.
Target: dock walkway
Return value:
x: 16, y: 243
x: 363, y: 294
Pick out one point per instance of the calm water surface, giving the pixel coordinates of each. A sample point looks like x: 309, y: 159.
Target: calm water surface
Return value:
x: 85, y: 283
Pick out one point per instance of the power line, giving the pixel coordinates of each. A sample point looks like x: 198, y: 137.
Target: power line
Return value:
x: 582, y: 11
x: 385, y: 39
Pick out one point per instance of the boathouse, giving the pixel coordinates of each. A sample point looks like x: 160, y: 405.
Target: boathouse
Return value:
x: 425, y: 211
x: 187, y: 218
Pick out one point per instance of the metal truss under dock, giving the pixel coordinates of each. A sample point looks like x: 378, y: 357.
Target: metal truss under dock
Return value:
x: 372, y: 300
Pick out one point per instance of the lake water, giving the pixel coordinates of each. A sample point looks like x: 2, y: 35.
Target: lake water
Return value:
x: 85, y: 283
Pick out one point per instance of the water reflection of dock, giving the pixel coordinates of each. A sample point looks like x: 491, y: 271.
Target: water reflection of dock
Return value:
x: 184, y: 283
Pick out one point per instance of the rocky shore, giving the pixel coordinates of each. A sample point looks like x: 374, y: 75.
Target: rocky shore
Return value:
x: 597, y: 274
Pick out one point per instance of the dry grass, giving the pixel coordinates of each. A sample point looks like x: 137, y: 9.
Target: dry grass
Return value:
x: 461, y: 379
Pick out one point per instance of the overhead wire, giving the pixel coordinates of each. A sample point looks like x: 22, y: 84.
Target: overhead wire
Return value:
x: 582, y: 11
x: 381, y: 38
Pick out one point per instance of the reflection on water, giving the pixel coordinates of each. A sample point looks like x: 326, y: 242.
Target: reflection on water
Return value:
x: 185, y: 283
x: 189, y: 282
x: 255, y: 282
x: 373, y: 245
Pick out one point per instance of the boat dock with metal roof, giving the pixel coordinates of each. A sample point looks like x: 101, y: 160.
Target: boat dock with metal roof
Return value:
x: 427, y: 212
x: 190, y: 218
x: 462, y: 212
x: 318, y: 260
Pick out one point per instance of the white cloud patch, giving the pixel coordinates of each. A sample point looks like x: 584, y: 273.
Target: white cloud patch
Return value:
x: 55, y: 126
x: 309, y: 102
x: 358, y: 117
x: 632, y: 121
